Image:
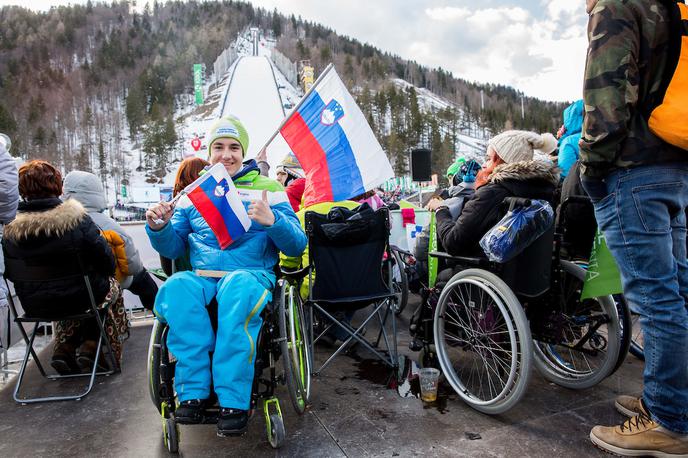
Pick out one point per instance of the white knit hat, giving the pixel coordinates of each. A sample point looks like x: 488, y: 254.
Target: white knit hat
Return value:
x: 518, y: 145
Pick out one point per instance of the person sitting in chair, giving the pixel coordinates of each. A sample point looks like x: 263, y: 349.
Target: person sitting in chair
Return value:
x: 48, y: 228
x: 130, y: 272
x: 509, y: 171
x: 241, y: 293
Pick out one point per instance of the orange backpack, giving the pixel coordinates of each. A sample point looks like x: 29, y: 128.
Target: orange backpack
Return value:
x: 669, y: 118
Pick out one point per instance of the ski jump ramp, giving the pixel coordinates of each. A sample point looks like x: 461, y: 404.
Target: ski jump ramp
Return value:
x: 254, y: 98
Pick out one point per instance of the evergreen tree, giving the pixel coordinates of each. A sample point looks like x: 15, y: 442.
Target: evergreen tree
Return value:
x: 102, y: 162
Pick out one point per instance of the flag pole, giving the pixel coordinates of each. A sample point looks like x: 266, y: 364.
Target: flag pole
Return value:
x: 298, y: 105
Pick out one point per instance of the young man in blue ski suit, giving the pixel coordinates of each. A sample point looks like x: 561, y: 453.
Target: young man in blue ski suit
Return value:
x: 241, y: 293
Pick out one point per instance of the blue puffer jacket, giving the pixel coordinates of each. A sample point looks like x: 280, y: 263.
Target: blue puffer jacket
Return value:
x: 256, y: 250
x: 568, y: 143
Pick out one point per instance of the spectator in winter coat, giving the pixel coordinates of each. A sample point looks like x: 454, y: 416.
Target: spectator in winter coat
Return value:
x: 295, y: 191
x: 9, y: 198
x: 242, y: 292
x: 289, y: 170
x: 50, y: 230
x: 508, y: 171
x: 292, y: 177
x: 454, y: 169
x: 571, y: 133
x: 130, y: 272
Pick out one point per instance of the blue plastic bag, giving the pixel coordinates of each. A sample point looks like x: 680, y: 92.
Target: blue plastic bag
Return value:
x: 517, y: 230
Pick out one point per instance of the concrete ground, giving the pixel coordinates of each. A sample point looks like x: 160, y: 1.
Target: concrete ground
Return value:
x: 353, y: 413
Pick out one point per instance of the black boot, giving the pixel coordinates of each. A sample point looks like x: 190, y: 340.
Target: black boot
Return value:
x: 190, y: 412
x: 64, y: 359
x: 232, y: 422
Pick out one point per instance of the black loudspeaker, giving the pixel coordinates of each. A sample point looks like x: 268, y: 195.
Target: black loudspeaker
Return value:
x: 421, y: 159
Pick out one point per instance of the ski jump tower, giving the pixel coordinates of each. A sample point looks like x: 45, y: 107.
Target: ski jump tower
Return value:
x: 255, y: 37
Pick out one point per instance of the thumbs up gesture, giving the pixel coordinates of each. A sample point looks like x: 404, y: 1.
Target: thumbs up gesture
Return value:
x: 260, y: 211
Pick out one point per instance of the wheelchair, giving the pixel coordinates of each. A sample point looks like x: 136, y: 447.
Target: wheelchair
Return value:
x: 282, y: 335
x: 486, y: 324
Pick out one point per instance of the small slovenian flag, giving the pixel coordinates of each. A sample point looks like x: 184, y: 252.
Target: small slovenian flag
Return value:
x: 334, y: 144
x: 216, y: 199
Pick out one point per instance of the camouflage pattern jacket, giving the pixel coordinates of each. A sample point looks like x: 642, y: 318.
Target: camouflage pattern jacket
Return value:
x: 627, y: 57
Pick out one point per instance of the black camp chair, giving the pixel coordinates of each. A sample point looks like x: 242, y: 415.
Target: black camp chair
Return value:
x: 36, y: 270
x: 346, y: 249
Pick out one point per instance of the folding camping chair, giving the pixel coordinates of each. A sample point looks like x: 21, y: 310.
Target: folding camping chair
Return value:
x: 34, y: 270
x: 345, y: 258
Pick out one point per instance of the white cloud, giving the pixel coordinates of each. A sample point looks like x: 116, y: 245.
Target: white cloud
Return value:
x: 538, y: 48
x: 447, y: 13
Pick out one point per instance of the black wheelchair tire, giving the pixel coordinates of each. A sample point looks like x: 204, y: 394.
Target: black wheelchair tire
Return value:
x: 170, y: 435
x: 277, y: 432
x: 154, y: 364
x: 402, y: 286
x: 626, y: 322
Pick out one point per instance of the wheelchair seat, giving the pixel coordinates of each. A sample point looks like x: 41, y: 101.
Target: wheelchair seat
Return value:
x: 281, y: 337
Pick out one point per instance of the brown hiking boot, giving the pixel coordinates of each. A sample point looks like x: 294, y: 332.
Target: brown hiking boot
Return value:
x: 639, y: 436
x: 629, y: 406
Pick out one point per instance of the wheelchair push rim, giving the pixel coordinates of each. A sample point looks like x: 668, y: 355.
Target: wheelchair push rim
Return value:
x: 294, y: 347
x: 491, y: 343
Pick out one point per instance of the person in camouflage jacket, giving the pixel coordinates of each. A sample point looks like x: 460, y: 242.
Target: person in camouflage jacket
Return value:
x: 639, y: 187
x: 627, y: 58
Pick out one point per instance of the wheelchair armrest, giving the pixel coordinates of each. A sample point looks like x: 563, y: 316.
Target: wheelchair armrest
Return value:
x: 514, y: 202
x: 399, y: 250
x: 295, y: 275
x: 460, y: 259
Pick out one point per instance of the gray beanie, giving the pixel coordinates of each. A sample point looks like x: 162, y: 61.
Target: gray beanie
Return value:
x: 518, y: 145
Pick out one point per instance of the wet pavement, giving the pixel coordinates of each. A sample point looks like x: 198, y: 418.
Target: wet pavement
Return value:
x: 354, y: 412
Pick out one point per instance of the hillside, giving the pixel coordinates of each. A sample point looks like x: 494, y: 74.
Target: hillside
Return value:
x: 94, y: 86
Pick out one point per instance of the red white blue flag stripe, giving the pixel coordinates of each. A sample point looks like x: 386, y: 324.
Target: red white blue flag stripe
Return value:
x: 334, y: 144
x: 216, y: 199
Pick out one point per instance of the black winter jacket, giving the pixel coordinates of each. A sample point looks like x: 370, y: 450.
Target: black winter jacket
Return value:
x: 532, y: 179
x: 50, y: 230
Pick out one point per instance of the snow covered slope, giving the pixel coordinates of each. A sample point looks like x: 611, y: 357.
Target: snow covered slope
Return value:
x: 254, y: 98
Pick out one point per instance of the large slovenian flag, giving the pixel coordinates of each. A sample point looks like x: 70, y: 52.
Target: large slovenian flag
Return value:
x: 336, y: 147
x: 217, y: 200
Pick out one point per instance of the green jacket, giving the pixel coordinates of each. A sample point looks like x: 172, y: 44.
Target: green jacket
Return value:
x: 627, y: 58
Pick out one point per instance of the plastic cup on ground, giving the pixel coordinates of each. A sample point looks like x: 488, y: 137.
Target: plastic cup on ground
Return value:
x: 429, y: 380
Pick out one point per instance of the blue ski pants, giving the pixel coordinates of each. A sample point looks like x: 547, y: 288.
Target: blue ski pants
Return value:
x: 181, y: 303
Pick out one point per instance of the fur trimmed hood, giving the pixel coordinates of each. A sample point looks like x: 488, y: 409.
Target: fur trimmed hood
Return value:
x: 52, y: 222
x: 526, y: 170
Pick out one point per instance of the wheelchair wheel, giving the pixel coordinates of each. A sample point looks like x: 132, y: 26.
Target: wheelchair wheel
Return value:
x: 277, y: 433
x: 589, y: 343
x: 294, y: 346
x: 170, y: 435
x: 626, y: 326
x: 632, y: 323
x: 154, y: 363
x: 483, y: 341
x: 399, y: 282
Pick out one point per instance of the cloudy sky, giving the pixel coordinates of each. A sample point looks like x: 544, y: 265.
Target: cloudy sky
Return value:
x: 537, y: 46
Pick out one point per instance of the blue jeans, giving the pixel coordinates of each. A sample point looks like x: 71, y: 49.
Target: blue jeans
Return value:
x: 643, y: 218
